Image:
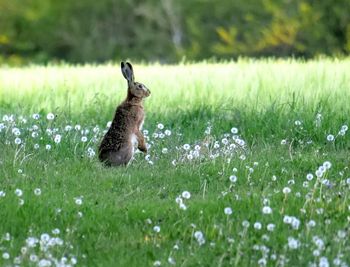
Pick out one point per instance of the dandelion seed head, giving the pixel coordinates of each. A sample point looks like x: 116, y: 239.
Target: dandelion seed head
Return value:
x: 68, y: 128
x: 198, y: 234
x: 271, y: 227
x: 234, y: 130
x: 224, y: 141
x: 18, y: 192
x: 293, y: 243
x: 16, y: 131
x: 56, y: 231
x: 78, y: 201
x: 266, y: 210
x: 319, y: 173
x: 330, y: 138
x: 316, y: 253
x: 186, y: 195
x: 36, y: 116
x: 327, y: 165
x: 322, y: 168
x: 286, y: 190
x: 186, y: 146
x: 257, y: 226
x: 287, y: 219
x: 37, y: 191
x: 171, y: 261
x: 156, y: 228
x: 57, y: 138
x: 311, y: 223
x: 309, y: 176
x: 18, y: 141
x: 233, y: 178
x: 44, y: 263
x: 5, y: 255
x: 50, y: 116
x: 228, y: 211
x: 157, y: 263
x: 178, y: 200
x: 182, y: 206
x: 295, y: 223
x: 245, y: 224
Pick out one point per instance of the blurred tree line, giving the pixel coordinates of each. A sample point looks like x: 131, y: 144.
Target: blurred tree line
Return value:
x: 168, y: 30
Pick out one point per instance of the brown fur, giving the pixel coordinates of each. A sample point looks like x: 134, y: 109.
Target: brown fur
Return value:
x: 117, y: 147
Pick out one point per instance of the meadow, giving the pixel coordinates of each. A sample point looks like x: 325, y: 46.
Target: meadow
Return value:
x: 248, y: 165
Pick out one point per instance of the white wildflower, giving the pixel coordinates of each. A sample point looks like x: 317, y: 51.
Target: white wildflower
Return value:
x: 330, y: 137
x: 57, y: 138
x: 50, y: 116
x: 5, y: 255
x: 186, y: 195
x: 293, y: 243
x: 257, y: 225
x: 233, y: 178
x: 18, y: 192
x: 228, y: 211
x: 37, y: 191
x: 266, y: 210
x: 186, y: 146
x: 286, y: 190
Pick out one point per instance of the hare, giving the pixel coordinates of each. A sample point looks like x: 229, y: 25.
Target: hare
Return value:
x: 118, y: 144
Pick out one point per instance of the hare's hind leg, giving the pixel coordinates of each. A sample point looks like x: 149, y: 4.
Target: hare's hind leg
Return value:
x: 117, y: 158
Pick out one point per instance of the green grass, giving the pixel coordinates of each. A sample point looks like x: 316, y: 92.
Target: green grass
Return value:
x: 269, y: 101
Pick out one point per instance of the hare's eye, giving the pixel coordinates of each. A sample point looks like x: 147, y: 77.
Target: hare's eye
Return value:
x: 139, y: 86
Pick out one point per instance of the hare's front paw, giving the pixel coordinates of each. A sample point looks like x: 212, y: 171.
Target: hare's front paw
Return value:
x: 143, y: 149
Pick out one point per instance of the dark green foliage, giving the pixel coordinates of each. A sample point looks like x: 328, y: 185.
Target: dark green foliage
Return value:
x: 168, y: 30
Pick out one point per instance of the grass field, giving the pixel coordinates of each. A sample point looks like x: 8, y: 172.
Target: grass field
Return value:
x: 248, y: 165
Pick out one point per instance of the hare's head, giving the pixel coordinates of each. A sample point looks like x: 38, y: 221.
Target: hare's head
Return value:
x: 135, y: 88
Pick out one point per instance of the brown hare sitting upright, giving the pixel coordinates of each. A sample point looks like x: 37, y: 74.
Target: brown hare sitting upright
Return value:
x: 117, y: 146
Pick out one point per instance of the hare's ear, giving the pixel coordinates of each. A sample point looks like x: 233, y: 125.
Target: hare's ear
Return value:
x: 127, y: 71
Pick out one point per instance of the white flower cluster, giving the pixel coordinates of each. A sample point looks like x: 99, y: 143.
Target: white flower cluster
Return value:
x: 292, y: 221
x: 228, y: 146
x: 42, y: 251
x: 180, y: 200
